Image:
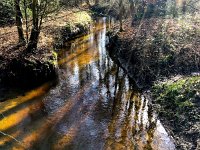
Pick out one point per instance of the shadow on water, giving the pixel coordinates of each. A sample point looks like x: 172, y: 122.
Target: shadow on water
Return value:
x: 94, y: 106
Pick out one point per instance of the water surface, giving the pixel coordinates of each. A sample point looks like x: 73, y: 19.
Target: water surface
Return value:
x: 95, y: 106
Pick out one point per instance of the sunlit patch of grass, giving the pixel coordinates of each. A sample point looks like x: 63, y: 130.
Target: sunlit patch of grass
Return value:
x: 78, y: 21
x: 82, y: 17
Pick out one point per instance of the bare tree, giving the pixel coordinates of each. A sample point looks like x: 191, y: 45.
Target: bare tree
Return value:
x: 19, y: 22
x: 39, y: 9
x: 121, y: 12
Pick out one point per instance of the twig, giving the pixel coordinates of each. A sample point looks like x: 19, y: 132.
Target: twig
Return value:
x: 2, y: 115
x: 12, y: 138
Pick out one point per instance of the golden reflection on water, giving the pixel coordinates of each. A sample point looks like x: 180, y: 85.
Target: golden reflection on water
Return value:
x: 94, y: 106
x: 7, y: 139
x: 14, y: 119
x: 14, y: 113
x: 18, y: 115
x: 11, y: 103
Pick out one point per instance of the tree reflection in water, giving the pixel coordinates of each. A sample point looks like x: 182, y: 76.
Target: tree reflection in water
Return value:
x: 95, y: 106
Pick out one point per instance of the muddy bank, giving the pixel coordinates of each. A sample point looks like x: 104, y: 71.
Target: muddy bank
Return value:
x: 20, y: 69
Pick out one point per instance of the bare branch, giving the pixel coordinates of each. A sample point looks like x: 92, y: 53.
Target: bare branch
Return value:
x: 13, y: 138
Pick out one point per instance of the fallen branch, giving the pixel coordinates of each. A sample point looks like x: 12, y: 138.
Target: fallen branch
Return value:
x: 13, y: 138
x: 2, y: 115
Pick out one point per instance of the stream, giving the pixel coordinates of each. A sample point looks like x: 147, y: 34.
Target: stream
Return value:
x: 95, y: 106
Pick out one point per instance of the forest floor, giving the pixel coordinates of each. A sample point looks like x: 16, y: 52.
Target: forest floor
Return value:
x: 51, y: 29
x: 10, y: 51
x: 165, y: 54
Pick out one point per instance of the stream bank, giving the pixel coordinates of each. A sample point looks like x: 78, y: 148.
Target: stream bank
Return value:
x: 76, y: 25
x: 30, y: 70
x: 155, y: 50
x: 177, y: 101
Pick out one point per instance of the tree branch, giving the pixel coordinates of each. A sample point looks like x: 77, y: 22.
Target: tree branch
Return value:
x: 13, y: 138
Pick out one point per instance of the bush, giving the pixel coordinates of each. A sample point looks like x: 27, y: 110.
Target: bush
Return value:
x: 6, y: 13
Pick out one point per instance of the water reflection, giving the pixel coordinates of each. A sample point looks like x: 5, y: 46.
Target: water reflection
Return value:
x: 95, y: 106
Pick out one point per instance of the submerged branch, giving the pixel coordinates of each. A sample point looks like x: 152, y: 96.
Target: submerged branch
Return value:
x: 2, y: 115
x: 13, y: 138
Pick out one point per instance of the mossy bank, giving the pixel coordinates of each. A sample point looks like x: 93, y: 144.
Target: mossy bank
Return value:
x: 178, y: 103
x: 77, y: 24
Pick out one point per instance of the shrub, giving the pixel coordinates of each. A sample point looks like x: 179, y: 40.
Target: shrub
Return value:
x: 6, y: 13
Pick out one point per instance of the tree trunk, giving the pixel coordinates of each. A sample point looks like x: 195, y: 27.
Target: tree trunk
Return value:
x: 184, y: 7
x: 121, y: 25
x: 132, y: 11
x: 19, y: 22
x: 96, y: 2
x: 34, y: 38
x: 121, y: 11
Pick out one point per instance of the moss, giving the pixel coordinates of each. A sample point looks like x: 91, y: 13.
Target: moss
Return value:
x: 77, y: 24
x: 52, y: 59
x: 178, y: 97
x: 178, y: 106
x: 82, y: 18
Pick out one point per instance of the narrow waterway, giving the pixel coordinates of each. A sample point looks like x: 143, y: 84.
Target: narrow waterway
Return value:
x: 95, y: 106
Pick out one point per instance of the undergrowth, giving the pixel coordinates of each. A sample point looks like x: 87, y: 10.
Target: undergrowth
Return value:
x: 178, y: 98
